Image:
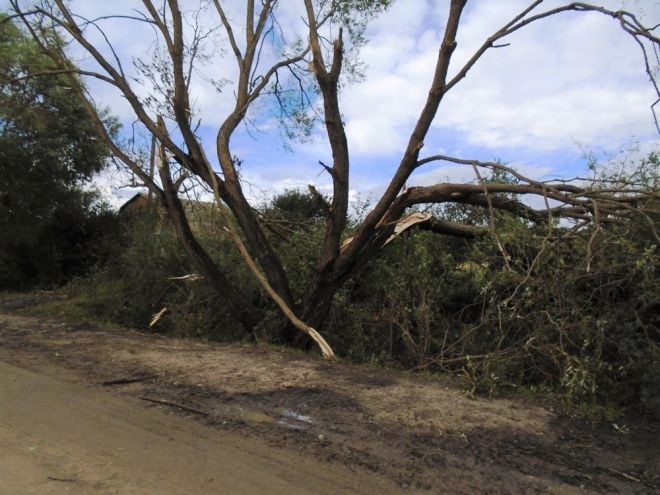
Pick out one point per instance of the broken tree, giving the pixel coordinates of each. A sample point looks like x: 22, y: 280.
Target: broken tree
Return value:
x: 314, y: 66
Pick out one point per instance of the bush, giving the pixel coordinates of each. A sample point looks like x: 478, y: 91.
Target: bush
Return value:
x: 145, y: 277
x: 578, y: 320
x: 570, y: 311
x: 70, y: 242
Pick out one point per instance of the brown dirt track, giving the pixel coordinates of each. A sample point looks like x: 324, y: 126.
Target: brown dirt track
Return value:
x: 366, y: 430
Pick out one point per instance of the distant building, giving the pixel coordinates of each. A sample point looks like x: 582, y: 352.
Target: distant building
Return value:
x: 136, y: 203
x: 202, y: 216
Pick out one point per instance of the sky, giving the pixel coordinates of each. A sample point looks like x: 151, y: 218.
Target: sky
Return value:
x: 565, y: 86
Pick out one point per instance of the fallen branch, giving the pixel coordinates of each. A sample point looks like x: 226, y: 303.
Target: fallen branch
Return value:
x: 66, y: 480
x: 326, y: 350
x: 174, y: 404
x: 627, y: 476
x: 122, y: 381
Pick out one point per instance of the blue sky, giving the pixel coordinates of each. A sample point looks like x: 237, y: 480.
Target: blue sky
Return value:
x: 568, y: 84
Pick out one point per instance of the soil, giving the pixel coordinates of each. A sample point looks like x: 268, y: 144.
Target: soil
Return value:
x: 291, y: 418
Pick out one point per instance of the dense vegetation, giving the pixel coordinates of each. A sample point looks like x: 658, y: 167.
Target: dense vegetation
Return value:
x: 49, y: 224
x: 298, y: 72
x: 568, y: 310
x: 565, y: 299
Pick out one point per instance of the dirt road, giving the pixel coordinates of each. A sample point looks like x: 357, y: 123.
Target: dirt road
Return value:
x: 58, y: 437
x: 265, y: 420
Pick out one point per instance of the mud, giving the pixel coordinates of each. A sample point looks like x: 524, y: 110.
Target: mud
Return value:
x: 424, y: 434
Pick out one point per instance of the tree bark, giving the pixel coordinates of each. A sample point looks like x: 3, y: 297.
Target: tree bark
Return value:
x: 237, y: 302
x: 335, y: 263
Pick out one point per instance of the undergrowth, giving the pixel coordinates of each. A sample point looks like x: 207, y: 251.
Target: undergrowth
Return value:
x: 551, y: 311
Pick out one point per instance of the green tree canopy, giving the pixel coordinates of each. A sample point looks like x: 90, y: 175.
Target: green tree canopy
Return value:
x: 48, y: 148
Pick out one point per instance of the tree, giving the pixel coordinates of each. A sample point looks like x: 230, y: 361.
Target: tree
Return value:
x: 47, y: 148
x: 312, y: 66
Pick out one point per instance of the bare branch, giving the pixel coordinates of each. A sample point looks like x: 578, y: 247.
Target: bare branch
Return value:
x: 56, y: 72
x: 453, y: 229
x: 70, y: 26
x: 491, y: 213
x: 416, y: 140
x: 628, y: 22
x: 230, y: 32
x: 265, y: 79
x: 563, y: 187
x: 159, y: 22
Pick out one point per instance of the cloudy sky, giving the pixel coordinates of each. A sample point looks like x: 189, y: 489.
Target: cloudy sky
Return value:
x: 565, y: 85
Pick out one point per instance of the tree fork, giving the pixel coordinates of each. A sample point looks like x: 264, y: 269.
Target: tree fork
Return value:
x: 235, y: 299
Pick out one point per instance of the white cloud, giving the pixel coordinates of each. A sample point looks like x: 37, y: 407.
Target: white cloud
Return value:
x: 113, y: 186
x: 576, y: 77
x: 465, y: 173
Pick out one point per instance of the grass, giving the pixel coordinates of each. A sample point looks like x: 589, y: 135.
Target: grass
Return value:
x: 54, y: 304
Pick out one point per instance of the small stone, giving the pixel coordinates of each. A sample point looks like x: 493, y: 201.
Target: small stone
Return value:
x: 322, y: 438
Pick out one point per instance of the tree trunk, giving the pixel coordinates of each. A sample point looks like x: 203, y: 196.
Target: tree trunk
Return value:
x: 237, y: 302
x: 324, y: 285
x: 313, y: 311
x: 318, y: 301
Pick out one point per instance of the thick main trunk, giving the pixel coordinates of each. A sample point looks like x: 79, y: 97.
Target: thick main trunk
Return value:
x: 258, y: 246
x: 318, y: 301
x: 324, y: 285
x: 313, y: 312
x: 316, y: 309
x: 237, y: 302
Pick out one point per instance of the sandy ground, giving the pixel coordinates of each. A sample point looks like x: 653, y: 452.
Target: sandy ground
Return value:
x: 211, y: 418
x: 60, y: 437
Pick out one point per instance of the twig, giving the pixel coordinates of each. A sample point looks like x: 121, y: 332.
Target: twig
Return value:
x: 174, y: 404
x: 122, y: 381
x: 66, y: 480
x: 492, y: 222
x: 627, y: 476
